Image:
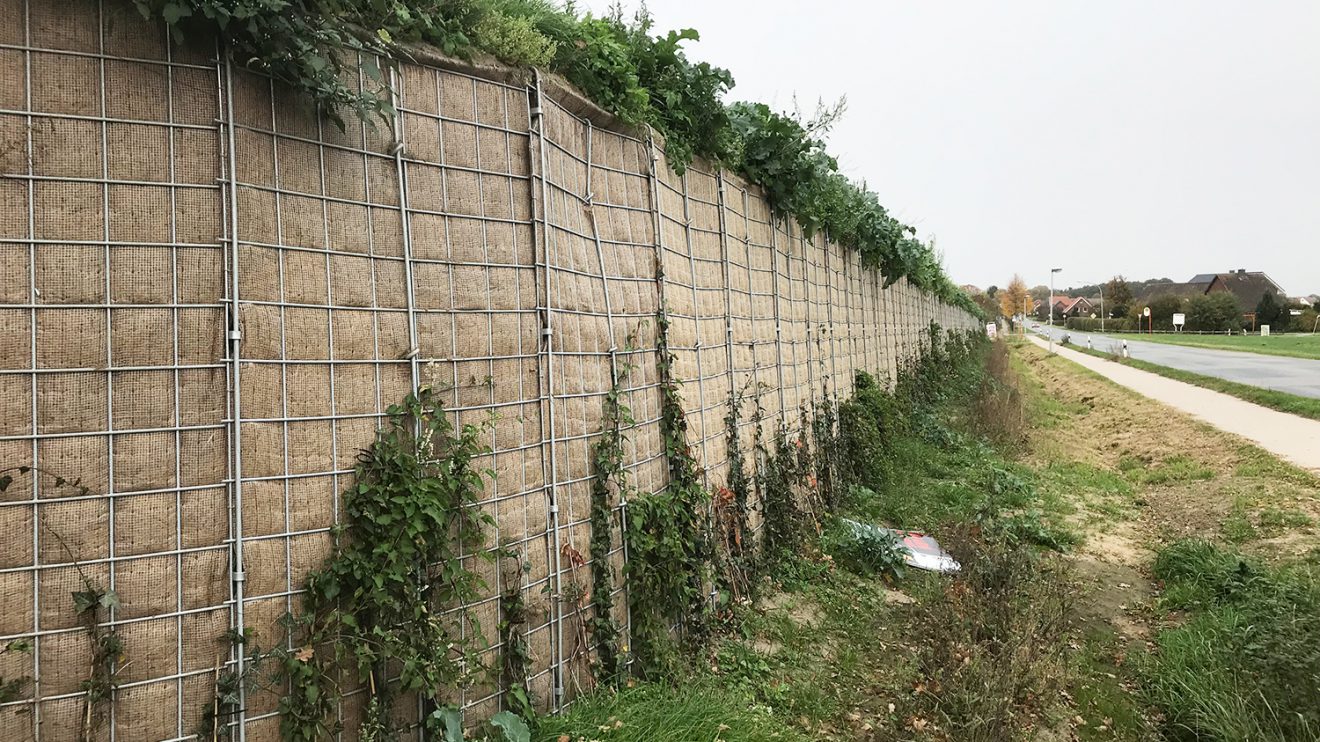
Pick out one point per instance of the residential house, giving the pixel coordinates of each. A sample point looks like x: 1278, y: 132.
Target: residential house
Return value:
x: 1247, y: 288
x: 1078, y: 307
x: 1064, y: 306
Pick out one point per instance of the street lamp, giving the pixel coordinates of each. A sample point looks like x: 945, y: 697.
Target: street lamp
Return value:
x: 1052, y: 272
x: 1051, y: 332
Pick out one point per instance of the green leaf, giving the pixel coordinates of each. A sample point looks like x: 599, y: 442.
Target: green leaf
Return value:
x: 173, y: 12
x: 451, y: 721
x: 514, y: 728
x: 85, y: 600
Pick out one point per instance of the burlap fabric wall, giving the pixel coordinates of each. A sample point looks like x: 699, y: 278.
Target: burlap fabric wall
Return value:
x: 111, y: 364
x: 367, y: 260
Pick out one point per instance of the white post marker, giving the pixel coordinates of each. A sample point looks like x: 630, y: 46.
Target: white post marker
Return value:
x: 1125, y: 350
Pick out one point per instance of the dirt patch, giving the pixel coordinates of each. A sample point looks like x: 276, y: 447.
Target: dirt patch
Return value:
x: 799, y: 609
x: 895, y: 597
x: 1185, y: 511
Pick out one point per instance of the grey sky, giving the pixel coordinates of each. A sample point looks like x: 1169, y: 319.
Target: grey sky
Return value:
x: 1142, y: 138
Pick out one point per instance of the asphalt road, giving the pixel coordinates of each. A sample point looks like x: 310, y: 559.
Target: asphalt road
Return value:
x: 1300, y: 376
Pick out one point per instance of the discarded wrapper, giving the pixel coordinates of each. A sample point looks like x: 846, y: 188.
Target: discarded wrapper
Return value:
x: 922, y: 551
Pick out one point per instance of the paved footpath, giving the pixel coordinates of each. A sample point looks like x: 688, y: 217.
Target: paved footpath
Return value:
x: 1300, y: 376
x: 1296, y: 439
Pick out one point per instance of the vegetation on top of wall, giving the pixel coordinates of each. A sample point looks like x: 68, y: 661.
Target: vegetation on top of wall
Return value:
x: 641, y: 77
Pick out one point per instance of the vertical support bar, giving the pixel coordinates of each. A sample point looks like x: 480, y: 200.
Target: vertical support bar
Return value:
x: 728, y: 288
x: 656, y: 227
x: 807, y: 280
x: 589, y: 205
x: 111, y: 489
x: 779, y: 328
x: 751, y: 299
x: 32, y: 349
x: 656, y: 221
x: 829, y: 316
x: 401, y: 172
x: 600, y: 261
x: 547, y: 355
x: 728, y: 342
x: 235, y: 340
x: 696, y: 322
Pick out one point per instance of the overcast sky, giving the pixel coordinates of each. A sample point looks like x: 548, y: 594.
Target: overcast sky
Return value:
x: 1144, y: 138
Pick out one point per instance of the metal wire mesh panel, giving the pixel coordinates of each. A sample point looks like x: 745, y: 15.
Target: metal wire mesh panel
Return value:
x: 603, y: 302
x: 515, y: 260
x: 111, y: 369
x: 324, y: 320
x: 466, y: 162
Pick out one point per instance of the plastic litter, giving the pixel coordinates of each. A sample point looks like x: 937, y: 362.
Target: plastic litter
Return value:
x: 921, y: 550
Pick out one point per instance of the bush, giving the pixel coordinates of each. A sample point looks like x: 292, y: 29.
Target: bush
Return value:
x: 993, y: 652
x: 1216, y: 312
x: 514, y: 39
x: 1247, y: 663
x: 867, y: 424
x: 1088, y: 324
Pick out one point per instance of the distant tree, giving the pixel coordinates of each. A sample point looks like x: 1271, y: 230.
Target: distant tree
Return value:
x: 1014, y: 299
x: 990, y: 292
x: 987, y: 305
x: 1215, y: 312
x: 1118, y: 297
x: 1270, y: 311
x: 1041, y: 292
x: 1316, y: 306
x: 1307, y: 321
x: 1162, y: 309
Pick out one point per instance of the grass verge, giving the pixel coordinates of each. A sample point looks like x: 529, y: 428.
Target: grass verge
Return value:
x: 701, y: 710
x: 1242, y: 660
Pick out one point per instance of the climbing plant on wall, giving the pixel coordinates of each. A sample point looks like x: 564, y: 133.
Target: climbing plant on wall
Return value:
x: 379, y: 611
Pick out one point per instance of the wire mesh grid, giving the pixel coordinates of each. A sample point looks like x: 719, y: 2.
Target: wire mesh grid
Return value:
x: 366, y: 260
x: 111, y: 368
x: 602, y: 308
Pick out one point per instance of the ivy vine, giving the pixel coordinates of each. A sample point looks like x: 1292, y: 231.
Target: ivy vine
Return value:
x: 669, y: 549
x: 93, y: 605
x: 731, y: 512
x: 387, y: 607
x: 516, y: 659
x: 609, y: 476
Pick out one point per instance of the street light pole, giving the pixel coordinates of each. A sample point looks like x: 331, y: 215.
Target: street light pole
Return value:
x: 1051, y: 332
x: 1102, y: 307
